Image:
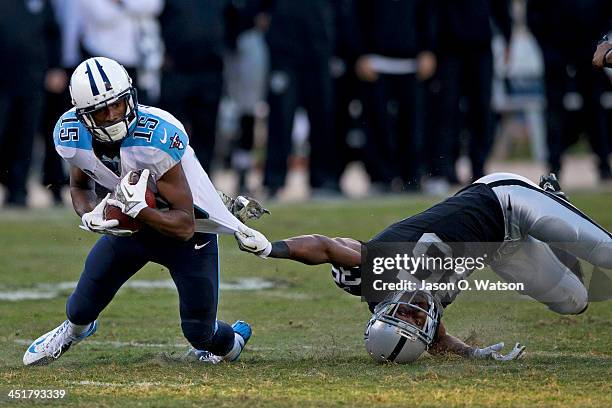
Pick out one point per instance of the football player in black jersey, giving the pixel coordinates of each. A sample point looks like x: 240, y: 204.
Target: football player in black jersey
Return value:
x: 537, y: 233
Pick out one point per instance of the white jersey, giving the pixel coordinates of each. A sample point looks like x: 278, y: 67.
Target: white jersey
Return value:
x: 158, y: 143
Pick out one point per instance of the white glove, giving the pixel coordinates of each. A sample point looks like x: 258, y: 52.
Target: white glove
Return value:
x: 515, y: 354
x: 94, y: 221
x: 253, y: 241
x: 130, y: 198
x: 493, y: 352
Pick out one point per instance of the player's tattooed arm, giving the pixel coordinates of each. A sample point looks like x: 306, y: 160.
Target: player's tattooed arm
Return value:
x: 179, y: 221
x: 319, y: 249
x: 82, y: 191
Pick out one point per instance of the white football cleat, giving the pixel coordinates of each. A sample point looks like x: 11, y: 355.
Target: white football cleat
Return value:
x: 203, y: 356
x: 51, y: 346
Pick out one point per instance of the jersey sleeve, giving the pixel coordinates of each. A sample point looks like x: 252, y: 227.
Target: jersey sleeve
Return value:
x: 347, y: 279
x: 70, y: 136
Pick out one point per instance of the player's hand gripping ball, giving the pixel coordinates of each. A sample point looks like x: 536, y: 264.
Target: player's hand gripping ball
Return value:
x: 131, y: 195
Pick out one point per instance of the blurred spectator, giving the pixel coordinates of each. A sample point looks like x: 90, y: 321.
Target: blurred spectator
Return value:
x: 301, y: 43
x: 192, y: 76
x: 465, y: 69
x: 30, y: 37
x: 348, y: 107
x: 246, y: 70
x: 396, y: 48
x: 573, y: 89
x: 111, y: 28
x: 57, y: 95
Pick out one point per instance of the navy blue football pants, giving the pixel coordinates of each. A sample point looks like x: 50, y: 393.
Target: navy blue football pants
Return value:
x: 193, y: 265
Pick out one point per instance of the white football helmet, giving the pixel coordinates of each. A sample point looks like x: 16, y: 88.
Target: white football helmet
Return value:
x: 97, y: 83
x: 403, y: 327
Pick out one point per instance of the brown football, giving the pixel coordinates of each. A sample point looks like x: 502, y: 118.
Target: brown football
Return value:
x: 125, y: 221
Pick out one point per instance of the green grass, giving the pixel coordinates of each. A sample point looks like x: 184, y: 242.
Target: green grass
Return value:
x: 307, y: 347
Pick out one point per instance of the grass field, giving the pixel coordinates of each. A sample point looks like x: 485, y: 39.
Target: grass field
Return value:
x: 307, y: 347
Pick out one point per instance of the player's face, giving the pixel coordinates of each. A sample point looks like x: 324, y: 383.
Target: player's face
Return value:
x: 110, y: 114
x: 412, y: 315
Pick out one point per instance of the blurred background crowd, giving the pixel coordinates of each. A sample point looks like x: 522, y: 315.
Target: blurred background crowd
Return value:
x: 406, y: 88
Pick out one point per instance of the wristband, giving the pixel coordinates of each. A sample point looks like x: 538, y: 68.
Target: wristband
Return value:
x: 278, y: 249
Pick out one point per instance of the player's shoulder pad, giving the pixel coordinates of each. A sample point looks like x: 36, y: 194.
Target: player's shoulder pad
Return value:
x: 158, y: 129
x: 69, y: 132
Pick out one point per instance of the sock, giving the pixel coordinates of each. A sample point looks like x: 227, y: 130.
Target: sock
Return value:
x: 76, y: 330
x: 236, y: 349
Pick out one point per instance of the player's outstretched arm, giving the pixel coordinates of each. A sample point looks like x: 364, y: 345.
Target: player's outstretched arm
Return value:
x: 307, y: 249
x: 448, y: 344
x: 318, y: 249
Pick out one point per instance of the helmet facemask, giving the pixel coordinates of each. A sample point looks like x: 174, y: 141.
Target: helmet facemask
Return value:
x: 403, y: 326
x: 117, y: 131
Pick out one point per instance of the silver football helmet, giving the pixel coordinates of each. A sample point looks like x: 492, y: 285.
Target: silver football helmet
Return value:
x: 403, y: 326
x: 97, y: 83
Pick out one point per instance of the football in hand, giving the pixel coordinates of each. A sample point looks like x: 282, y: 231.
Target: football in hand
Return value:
x: 125, y: 221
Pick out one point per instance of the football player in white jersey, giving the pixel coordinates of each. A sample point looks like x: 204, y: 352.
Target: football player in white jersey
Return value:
x: 534, y: 236
x: 105, y: 138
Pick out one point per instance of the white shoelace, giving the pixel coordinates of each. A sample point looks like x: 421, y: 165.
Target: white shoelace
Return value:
x: 62, y: 337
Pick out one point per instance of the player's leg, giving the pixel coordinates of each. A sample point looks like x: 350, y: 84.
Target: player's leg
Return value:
x: 531, y: 211
x: 194, y: 267
x: 547, y: 278
x: 110, y: 263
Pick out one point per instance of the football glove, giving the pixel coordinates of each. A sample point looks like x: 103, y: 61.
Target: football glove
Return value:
x: 243, y: 208
x: 94, y: 221
x: 253, y: 241
x: 493, y: 352
x: 550, y: 183
x: 130, y: 198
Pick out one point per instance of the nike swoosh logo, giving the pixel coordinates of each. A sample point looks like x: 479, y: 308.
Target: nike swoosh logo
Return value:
x: 165, y: 138
x: 201, y: 246
x: 128, y: 191
x: 33, y: 346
